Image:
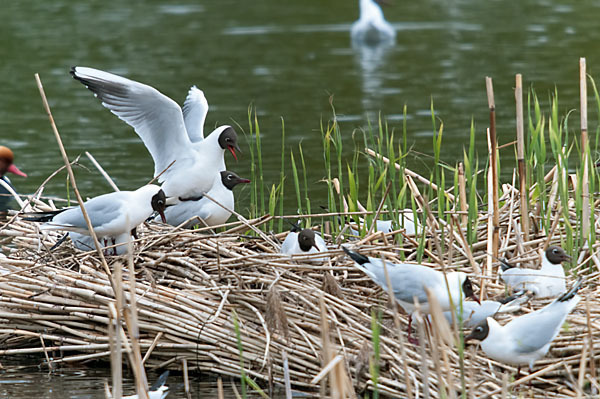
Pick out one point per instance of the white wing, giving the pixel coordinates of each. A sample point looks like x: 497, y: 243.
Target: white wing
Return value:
x: 156, y: 118
x: 195, y: 109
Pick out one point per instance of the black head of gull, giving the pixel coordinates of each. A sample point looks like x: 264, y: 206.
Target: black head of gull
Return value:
x: 159, y: 203
x: 230, y: 179
x: 479, y: 332
x: 467, y: 289
x: 556, y: 255
x: 228, y: 141
x: 306, y: 240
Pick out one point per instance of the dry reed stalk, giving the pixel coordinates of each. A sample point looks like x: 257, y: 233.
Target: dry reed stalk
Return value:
x: 70, y: 172
x: 462, y: 193
x: 521, y: 166
x: 585, y: 190
x: 190, y: 278
x: 493, y: 148
x: 410, y: 173
x: 102, y: 171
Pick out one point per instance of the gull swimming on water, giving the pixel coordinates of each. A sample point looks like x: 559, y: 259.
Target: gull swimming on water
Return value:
x: 371, y: 28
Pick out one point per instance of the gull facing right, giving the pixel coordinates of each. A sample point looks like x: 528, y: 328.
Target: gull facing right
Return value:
x: 113, y: 215
x: 527, y: 338
x: 168, y: 133
x: 210, y: 212
x: 547, y: 282
x: 409, y: 281
x: 304, y: 242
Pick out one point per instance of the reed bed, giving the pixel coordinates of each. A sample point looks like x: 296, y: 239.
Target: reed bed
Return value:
x: 54, y: 304
x: 224, y: 300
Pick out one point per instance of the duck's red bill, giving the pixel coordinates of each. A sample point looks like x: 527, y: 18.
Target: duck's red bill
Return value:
x: 13, y: 169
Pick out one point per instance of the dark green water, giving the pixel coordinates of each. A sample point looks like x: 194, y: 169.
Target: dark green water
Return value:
x: 287, y: 59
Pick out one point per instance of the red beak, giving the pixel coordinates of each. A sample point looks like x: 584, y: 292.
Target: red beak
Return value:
x: 244, y: 181
x: 162, y: 216
x: 232, y: 150
x: 475, y: 298
x: 16, y: 171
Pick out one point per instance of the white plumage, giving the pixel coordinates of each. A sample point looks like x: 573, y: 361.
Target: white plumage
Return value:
x: 527, y: 338
x: 371, y: 28
x: 167, y: 133
x: 546, y: 282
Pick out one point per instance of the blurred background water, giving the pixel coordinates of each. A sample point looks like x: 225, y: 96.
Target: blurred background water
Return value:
x: 287, y: 59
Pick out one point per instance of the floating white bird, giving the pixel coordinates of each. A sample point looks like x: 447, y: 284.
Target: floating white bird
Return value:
x: 304, y: 242
x: 371, y: 28
x: 474, y: 313
x: 547, y: 282
x: 113, y: 215
x: 158, y: 390
x: 409, y: 281
x: 167, y: 133
x: 211, y: 213
x: 527, y: 338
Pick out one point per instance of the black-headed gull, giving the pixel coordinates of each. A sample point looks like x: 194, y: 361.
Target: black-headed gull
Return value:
x: 6, y: 166
x: 371, y: 28
x: 409, y: 281
x: 113, y: 215
x: 546, y: 282
x: 167, y: 134
x: 211, y: 213
x: 527, y: 338
x: 304, y: 242
x: 158, y: 390
x: 474, y: 313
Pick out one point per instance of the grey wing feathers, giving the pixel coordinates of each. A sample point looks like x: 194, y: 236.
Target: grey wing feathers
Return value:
x: 156, y: 118
x: 408, y: 280
x: 101, y: 210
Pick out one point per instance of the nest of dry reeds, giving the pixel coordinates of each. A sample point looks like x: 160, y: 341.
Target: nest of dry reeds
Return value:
x: 189, y: 284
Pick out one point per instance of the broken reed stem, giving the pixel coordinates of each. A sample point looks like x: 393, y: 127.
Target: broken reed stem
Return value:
x: 462, y: 193
x: 71, y: 175
x: 131, y: 318
x: 379, y: 208
x: 585, y: 151
x: 493, y: 145
x: 521, y: 166
x: 102, y: 171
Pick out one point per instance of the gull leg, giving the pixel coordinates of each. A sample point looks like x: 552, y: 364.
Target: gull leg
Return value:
x: 412, y: 340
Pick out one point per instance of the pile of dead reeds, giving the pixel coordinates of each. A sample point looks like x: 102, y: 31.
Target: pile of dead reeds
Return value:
x: 189, y: 283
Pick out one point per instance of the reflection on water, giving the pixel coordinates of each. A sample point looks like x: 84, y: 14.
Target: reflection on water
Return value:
x: 371, y: 58
x: 287, y: 59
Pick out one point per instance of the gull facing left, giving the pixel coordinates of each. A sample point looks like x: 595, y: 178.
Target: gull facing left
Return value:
x: 113, y: 215
x: 409, y: 281
x: 527, y: 338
